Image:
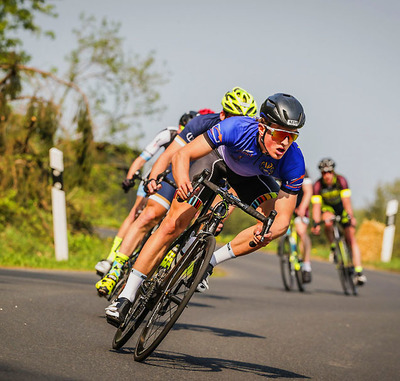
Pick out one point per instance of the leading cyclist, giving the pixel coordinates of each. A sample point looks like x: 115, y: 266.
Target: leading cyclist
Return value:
x: 248, y: 151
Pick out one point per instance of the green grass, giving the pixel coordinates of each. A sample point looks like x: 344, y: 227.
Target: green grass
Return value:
x: 26, y: 251
x: 19, y: 250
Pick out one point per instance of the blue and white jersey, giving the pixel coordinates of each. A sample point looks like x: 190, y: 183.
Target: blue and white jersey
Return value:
x: 237, y: 141
x: 196, y: 127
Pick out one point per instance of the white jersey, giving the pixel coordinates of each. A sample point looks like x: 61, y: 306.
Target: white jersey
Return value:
x: 163, y: 139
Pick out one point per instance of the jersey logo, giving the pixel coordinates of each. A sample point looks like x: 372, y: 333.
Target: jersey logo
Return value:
x: 189, y: 136
x: 267, y: 167
x: 218, y: 135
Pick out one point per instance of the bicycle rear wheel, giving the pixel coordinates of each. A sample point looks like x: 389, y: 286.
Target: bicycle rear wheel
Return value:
x: 287, y: 270
x: 178, y: 290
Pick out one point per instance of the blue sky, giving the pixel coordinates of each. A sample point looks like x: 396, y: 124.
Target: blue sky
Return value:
x: 340, y: 58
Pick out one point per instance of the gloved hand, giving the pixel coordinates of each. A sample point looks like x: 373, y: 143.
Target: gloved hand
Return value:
x: 127, y: 184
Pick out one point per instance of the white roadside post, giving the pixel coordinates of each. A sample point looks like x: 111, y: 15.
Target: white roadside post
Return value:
x: 58, y: 205
x: 388, y: 234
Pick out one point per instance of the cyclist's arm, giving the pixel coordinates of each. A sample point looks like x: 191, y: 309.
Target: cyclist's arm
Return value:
x: 135, y: 166
x: 305, y: 201
x: 316, y: 201
x: 345, y: 195
x: 164, y: 160
x: 284, y: 205
x: 196, y: 149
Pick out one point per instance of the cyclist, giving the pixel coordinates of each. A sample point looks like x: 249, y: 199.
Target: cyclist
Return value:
x: 159, y: 203
x: 248, y: 152
x: 301, y: 221
x: 332, y: 197
x: 162, y: 140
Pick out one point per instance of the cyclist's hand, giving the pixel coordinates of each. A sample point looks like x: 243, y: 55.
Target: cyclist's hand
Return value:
x: 301, y: 212
x: 127, y: 184
x: 316, y: 230
x: 353, y: 221
x: 183, y: 190
x: 152, y: 187
x: 257, y: 237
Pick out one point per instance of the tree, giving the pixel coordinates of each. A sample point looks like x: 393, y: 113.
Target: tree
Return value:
x: 39, y: 108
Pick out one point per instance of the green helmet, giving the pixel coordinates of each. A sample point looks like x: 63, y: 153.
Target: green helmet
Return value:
x: 239, y: 102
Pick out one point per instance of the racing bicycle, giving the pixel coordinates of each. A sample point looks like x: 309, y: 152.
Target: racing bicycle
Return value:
x: 169, y: 289
x: 343, y: 259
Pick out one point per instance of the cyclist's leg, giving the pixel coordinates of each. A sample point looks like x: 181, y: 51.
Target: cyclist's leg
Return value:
x: 301, y: 229
x: 150, y: 217
x: 349, y: 232
x: 133, y: 214
x: 104, y: 266
x: 136, y: 209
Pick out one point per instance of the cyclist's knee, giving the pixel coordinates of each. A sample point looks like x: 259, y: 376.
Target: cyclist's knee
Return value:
x: 173, y: 226
x: 150, y: 217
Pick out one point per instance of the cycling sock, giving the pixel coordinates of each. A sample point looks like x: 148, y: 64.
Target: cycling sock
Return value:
x: 358, y: 269
x: 119, y: 261
x: 306, y: 266
x: 135, y: 279
x: 222, y: 254
x: 116, y: 244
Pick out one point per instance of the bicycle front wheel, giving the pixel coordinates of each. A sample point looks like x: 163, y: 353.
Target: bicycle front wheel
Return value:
x: 287, y: 270
x: 134, y: 318
x: 345, y: 268
x: 178, y: 290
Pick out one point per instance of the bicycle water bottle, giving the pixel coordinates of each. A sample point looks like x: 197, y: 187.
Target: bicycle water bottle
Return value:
x: 167, y: 261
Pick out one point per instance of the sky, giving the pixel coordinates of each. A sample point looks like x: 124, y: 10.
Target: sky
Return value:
x: 340, y: 59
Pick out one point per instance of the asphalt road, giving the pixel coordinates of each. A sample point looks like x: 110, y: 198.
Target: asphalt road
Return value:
x: 52, y: 327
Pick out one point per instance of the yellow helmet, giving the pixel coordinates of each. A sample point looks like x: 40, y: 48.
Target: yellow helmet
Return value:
x: 239, y: 102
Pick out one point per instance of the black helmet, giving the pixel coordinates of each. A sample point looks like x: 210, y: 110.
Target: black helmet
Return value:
x: 186, y: 117
x: 326, y: 165
x: 283, y: 109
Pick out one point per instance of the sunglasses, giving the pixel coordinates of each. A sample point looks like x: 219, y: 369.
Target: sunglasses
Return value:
x: 280, y: 135
x: 327, y: 171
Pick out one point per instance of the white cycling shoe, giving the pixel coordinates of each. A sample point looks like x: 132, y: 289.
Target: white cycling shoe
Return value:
x: 103, y: 267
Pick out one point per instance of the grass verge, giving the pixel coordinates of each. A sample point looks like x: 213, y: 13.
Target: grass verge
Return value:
x: 20, y: 250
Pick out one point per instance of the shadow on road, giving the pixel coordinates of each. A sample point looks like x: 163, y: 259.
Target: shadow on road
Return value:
x: 221, y: 332
x: 185, y: 362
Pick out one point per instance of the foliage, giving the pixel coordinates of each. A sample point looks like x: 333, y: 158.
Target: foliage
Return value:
x: 120, y: 88
x: 20, y: 15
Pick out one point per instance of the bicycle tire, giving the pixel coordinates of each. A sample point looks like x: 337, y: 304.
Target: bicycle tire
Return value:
x: 187, y: 274
x: 344, y: 268
x: 349, y: 269
x: 134, y: 318
x: 299, y: 279
x: 287, y: 271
